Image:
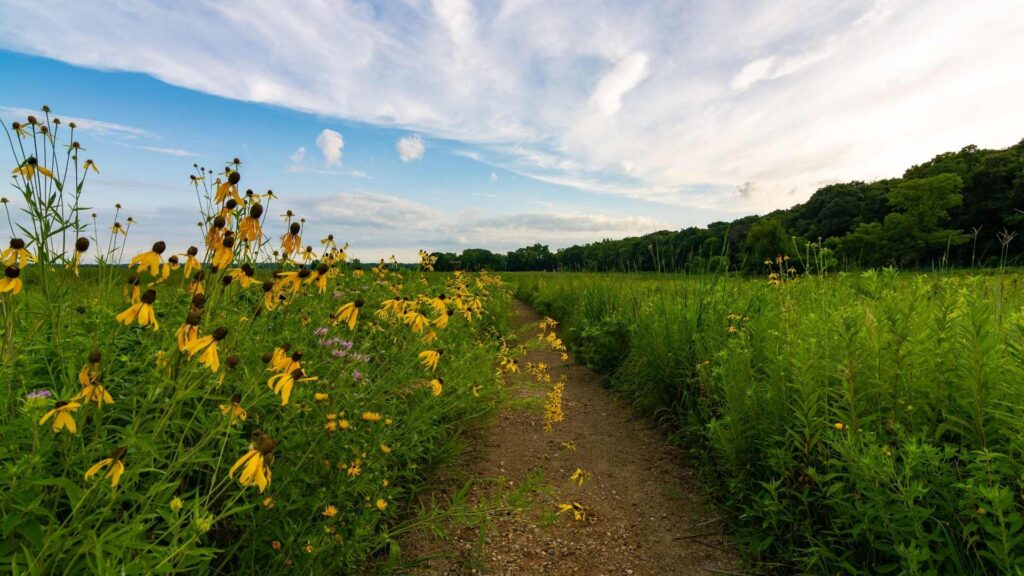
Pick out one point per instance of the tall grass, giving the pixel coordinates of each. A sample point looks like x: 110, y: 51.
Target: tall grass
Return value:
x: 863, y: 424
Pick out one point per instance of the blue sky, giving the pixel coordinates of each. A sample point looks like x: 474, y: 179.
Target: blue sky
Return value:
x: 497, y: 124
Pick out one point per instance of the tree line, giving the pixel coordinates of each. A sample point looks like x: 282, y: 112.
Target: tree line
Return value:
x: 958, y: 209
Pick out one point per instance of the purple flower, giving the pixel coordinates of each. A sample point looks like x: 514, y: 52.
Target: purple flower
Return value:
x: 357, y: 375
x: 347, y: 344
x: 41, y: 393
x: 321, y: 331
x: 337, y: 353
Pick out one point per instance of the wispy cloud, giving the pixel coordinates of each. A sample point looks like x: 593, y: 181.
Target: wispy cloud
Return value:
x: 672, y: 102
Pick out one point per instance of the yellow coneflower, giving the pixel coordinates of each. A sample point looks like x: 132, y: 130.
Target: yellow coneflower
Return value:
x: 191, y: 262
x: 19, y: 129
x: 142, y: 311
x: 308, y: 255
x: 291, y: 242
x: 90, y: 165
x: 579, y: 511
x: 117, y: 228
x: 330, y: 511
x: 189, y: 331
x: 329, y: 242
x: 89, y: 378
x: 282, y: 383
x: 224, y: 253
x: 322, y: 273
x: 321, y: 396
x: 381, y: 504
x: 436, y: 386
x: 62, y: 418
x: 270, y: 295
x: 81, y: 245
x: 255, y: 464
x: 371, y: 416
x: 29, y: 167
x: 442, y: 320
x: 114, y: 465
x: 227, y: 212
x: 208, y: 346
x: 438, y: 304
x: 215, y: 235
x: 282, y: 361
x: 131, y: 289
x: 416, y: 321
x: 16, y: 254
x: 11, y: 282
x: 150, y: 260
x: 430, y: 358
x: 234, y: 410
x: 249, y: 230
x: 197, y: 285
x: 349, y: 313
x: 170, y: 265
x: 244, y: 275
x: 228, y: 188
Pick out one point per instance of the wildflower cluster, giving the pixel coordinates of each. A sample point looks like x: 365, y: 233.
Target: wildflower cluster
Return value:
x: 281, y: 420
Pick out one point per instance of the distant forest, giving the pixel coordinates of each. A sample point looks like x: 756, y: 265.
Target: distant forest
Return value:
x: 958, y: 209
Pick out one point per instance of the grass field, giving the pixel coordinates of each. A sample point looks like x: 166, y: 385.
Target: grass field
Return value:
x: 861, y: 423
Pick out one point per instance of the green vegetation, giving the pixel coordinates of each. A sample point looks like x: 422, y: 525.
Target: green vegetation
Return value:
x: 866, y: 423
x: 958, y: 209
x: 265, y: 408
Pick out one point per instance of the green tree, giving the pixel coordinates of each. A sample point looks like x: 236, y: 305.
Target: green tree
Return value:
x: 916, y: 230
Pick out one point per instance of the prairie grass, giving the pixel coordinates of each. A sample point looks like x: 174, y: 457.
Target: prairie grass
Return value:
x: 862, y: 423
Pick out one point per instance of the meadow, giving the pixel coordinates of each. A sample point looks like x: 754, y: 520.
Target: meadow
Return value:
x: 854, y: 423
x: 234, y: 402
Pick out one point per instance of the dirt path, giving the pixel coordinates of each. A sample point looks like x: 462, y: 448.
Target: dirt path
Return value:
x: 645, y: 511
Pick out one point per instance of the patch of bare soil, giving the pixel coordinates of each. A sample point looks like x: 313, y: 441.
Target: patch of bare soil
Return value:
x: 645, y: 510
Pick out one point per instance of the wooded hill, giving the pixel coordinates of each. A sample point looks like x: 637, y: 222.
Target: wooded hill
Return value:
x: 958, y: 209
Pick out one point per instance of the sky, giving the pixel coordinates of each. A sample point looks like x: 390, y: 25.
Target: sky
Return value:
x: 452, y: 124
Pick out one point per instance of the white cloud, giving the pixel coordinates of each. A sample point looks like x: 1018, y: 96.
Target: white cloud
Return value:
x: 675, y: 102
x: 299, y: 155
x: 625, y: 76
x: 330, y: 144
x: 410, y: 148
x: 494, y: 177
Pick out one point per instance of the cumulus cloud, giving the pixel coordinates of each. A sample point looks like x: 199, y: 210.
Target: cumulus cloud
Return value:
x: 494, y: 177
x: 668, y: 102
x: 330, y: 144
x: 410, y: 148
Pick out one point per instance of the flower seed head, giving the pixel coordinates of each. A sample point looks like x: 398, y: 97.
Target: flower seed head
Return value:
x: 304, y: 273
x: 322, y: 269
x: 359, y: 302
x: 149, y: 296
x: 198, y: 301
x: 247, y: 269
x: 236, y: 398
x: 268, y: 286
x: 82, y: 244
x: 232, y: 362
x: 231, y: 204
x: 94, y: 357
x: 297, y: 355
x: 17, y: 243
x: 256, y: 211
x: 234, y: 177
x: 294, y: 228
x: 220, y: 333
x: 173, y: 259
x: 192, y: 251
x: 194, y: 318
x: 159, y: 247
x: 119, y: 453
x: 219, y: 222
x: 225, y: 280
x: 228, y: 242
